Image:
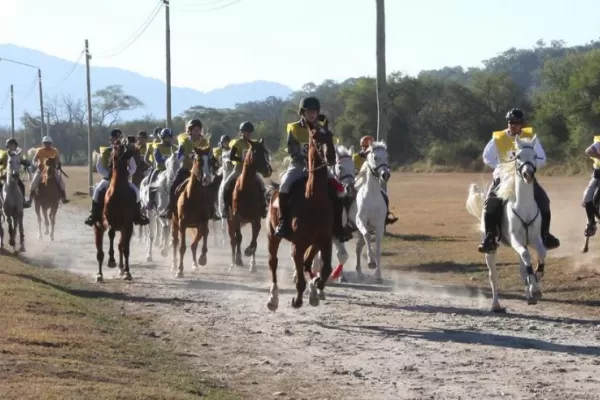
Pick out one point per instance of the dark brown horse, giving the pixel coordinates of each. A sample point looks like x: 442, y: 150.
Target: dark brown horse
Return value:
x: 47, y: 198
x: 311, y: 216
x: 140, y: 173
x: 247, y: 203
x: 195, y: 200
x: 117, y: 214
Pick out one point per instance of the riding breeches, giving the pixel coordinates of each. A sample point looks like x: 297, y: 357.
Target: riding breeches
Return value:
x: 103, y: 184
x: 588, y: 193
x: 37, y: 177
x: 294, y: 173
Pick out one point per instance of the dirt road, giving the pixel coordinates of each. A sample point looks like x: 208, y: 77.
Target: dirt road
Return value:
x: 400, y: 340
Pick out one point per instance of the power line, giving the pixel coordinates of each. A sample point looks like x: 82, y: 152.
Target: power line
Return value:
x: 31, y: 88
x: 200, y: 10
x: 136, y: 34
x: 6, y: 97
x: 68, y: 74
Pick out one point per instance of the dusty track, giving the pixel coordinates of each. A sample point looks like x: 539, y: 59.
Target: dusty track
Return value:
x: 403, y: 340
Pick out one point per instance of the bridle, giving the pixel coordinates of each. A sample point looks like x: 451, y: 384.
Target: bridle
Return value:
x: 521, y: 165
x: 375, y: 170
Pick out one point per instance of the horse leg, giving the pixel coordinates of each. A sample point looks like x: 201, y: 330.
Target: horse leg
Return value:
x: 251, y: 249
x: 174, y: 243
x: 112, y: 263
x: 46, y: 222
x: 99, y: 238
x: 1, y: 234
x: 360, y: 244
x: 121, y: 251
x: 273, y: 245
x: 53, y: 212
x: 312, y: 263
x: 39, y: 219
x: 205, y: 232
x: 223, y: 230
x: 372, y: 264
x: 238, y: 246
x: 378, y: 238
x: 232, y: 242
x: 182, y: 245
x: 11, y: 233
x: 21, y: 234
x: 150, y: 237
x: 298, y: 255
x: 194, y: 245
x: 125, y: 244
x: 342, y: 256
x: 527, y: 273
x: 164, y: 237
x: 321, y: 281
x: 490, y: 260
x: 539, y: 271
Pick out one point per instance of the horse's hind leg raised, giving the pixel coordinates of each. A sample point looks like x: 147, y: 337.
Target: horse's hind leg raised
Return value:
x: 112, y: 263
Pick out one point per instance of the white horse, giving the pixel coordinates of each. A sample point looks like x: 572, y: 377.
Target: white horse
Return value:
x: 344, y: 172
x: 226, y: 169
x: 369, y: 211
x: 521, y: 221
x: 13, y: 200
x: 158, y: 228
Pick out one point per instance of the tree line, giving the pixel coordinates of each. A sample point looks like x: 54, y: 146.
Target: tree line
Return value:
x: 440, y: 118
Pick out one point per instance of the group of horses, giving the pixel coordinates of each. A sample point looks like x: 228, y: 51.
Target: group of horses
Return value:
x: 46, y: 200
x: 311, y: 212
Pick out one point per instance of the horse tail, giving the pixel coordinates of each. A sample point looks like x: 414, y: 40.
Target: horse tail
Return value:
x: 271, y: 188
x: 475, y: 201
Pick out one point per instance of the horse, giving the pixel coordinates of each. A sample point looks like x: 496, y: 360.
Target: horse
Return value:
x: 194, y: 204
x: 247, y: 203
x: 158, y: 228
x: 596, y: 202
x: 13, y: 201
x: 141, y: 172
x: 521, y: 222
x: 117, y: 215
x: 369, y: 211
x: 47, y: 198
x: 224, y: 170
x: 311, y: 218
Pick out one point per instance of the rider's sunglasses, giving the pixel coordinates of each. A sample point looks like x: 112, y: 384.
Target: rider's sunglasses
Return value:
x: 515, y: 123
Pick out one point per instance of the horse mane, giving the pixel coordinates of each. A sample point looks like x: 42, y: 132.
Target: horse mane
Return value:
x: 379, y: 145
x: 508, y: 172
x: 343, y: 151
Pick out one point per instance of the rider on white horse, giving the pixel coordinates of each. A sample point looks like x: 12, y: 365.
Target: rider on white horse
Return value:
x: 104, y: 168
x: 588, y: 194
x: 41, y: 155
x: 501, y: 149
x: 237, y: 155
x: 13, y: 145
x: 359, y: 159
x: 222, y: 150
x: 159, y: 153
x: 297, y: 149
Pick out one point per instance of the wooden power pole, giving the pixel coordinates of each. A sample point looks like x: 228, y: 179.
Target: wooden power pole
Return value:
x: 382, y: 90
x: 12, y: 111
x: 168, y: 57
x: 88, y: 57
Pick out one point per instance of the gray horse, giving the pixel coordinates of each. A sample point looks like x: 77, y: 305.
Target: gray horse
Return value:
x: 13, y: 201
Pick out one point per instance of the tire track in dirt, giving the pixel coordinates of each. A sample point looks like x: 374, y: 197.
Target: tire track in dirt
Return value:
x: 404, y: 340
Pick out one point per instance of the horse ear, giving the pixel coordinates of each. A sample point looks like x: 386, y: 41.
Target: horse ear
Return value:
x: 261, y: 140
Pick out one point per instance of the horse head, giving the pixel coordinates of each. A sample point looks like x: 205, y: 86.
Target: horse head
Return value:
x: 322, y: 140
x: 121, y: 153
x: 377, y: 161
x: 526, y: 159
x: 13, y: 165
x: 204, y: 165
x: 50, y: 166
x: 259, y: 157
x: 344, y: 165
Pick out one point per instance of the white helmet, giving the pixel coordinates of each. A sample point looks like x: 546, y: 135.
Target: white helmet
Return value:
x: 47, y: 139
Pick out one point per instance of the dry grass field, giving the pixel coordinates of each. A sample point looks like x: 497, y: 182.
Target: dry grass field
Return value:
x: 437, y: 239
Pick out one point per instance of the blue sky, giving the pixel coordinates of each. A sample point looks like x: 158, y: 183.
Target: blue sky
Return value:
x: 292, y: 42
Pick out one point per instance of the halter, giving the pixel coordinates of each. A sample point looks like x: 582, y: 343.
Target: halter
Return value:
x: 519, y: 167
x: 341, y: 178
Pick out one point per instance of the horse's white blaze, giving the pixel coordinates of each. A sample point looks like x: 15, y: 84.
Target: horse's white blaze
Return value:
x: 521, y: 222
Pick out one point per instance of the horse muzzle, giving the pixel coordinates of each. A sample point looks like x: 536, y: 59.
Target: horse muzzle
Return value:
x: 385, y: 175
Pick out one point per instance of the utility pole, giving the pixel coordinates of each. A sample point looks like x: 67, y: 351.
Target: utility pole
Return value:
x: 41, y: 102
x: 168, y: 51
x: 12, y: 111
x: 88, y: 57
x: 382, y: 90
x: 47, y: 124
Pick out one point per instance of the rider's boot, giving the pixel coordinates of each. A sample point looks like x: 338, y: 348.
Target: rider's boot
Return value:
x: 63, y: 196
x: 138, y: 217
x: 550, y: 241
x: 389, y: 218
x: 590, y: 211
x: 489, y: 242
x: 282, y: 229
x: 94, y: 214
x: 340, y: 232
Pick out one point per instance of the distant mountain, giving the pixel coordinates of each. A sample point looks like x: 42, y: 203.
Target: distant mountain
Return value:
x: 149, y: 90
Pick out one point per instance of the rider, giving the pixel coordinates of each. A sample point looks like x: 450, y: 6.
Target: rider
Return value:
x: 160, y: 152
x: 104, y: 168
x: 156, y: 136
x: 297, y: 148
x: 237, y: 156
x: 189, y: 140
x: 41, y: 155
x: 222, y: 149
x: 588, y: 195
x: 13, y: 145
x: 501, y: 149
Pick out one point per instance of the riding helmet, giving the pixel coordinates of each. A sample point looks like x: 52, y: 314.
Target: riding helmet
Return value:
x: 309, y: 103
x: 366, y: 141
x: 166, y: 133
x: 224, y: 139
x: 516, y: 114
x: 247, y: 126
x: 116, y: 133
x: 12, y: 140
x: 193, y: 123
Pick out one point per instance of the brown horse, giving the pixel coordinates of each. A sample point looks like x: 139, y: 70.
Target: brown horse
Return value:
x: 140, y: 172
x: 194, y: 204
x: 247, y: 203
x: 47, y: 198
x: 311, y: 216
x: 117, y: 214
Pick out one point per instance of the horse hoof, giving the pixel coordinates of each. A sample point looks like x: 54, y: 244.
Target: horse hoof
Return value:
x: 202, y: 260
x: 111, y: 264
x: 99, y: 278
x: 296, y: 303
x: 313, y: 296
x: 52, y: 238
x: 372, y: 265
x: 537, y: 294
x: 127, y: 277
x: 22, y: 249
x: 321, y: 295
x: 252, y: 268
x: 531, y: 301
x: 149, y: 259
x: 498, y: 310
x: 231, y: 267
x: 248, y: 251
x: 179, y: 274
x: 360, y: 277
x: 164, y: 253
x: 379, y: 280
x: 273, y: 304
